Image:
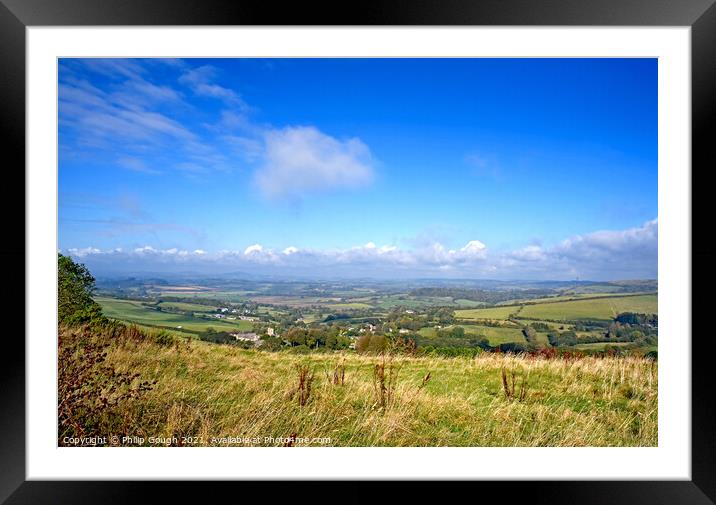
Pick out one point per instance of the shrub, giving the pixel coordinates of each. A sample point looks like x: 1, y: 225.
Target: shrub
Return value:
x: 75, y: 285
x: 92, y: 396
x: 371, y: 344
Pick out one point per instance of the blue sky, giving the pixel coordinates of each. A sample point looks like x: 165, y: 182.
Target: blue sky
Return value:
x: 489, y: 168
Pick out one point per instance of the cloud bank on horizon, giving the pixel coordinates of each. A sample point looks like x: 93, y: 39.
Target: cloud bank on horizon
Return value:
x: 489, y: 169
x: 626, y: 254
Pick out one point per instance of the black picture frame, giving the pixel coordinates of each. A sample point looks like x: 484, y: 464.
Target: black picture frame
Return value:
x: 700, y: 15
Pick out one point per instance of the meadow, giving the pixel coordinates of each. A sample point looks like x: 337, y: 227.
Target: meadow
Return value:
x: 596, y: 308
x: 135, y: 312
x: 495, y: 335
x: 492, y: 313
x: 590, y: 307
x: 206, y: 392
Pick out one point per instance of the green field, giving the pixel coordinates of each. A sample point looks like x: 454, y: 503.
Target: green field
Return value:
x: 489, y: 313
x: 600, y: 308
x: 494, y: 335
x: 134, y: 312
x: 461, y: 302
x: 228, y: 296
x: 187, y: 307
x: 348, y: 305
x: 569, y: 297
x: 600, y: 345
x: 173, y: 331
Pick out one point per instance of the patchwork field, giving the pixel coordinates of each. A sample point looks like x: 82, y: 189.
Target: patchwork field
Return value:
x: 600, y: 308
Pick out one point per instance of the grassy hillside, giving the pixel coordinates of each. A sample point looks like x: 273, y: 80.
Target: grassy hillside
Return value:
x: 214, y: 391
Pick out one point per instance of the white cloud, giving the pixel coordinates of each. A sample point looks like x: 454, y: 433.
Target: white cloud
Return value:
x: 85, y: 251
x: 529, y: 253
x: 474, y: 247
x: 256, y: 248
x: 302, y: 160
x: 607, y: 254
x: 387, y: 249
x: 145, y: 249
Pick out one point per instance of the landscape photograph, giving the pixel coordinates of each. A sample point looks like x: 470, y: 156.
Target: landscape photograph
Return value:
x: 357, y: 252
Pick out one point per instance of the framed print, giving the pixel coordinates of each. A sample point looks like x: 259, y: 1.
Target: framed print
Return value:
x: 426, y: 244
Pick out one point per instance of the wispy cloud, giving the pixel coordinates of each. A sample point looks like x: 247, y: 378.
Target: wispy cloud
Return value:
x: 136, y: 119
x: 96, y: 115
x: 483, y: 165
x: 201, y: 81
x: 136, y: 165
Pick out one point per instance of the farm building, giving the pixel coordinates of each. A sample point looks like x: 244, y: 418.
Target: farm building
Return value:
x: 251, y: 337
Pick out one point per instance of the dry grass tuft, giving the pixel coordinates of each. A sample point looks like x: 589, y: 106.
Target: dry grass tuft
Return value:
x: 385, y: 377
x: 509, y: 386
x: 305, y: 380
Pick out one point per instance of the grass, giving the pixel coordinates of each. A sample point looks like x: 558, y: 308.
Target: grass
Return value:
x: 134, y: 312
x: 173, y: 330
x: 348, y: 305
x: 227, y: 296
x: 389, y: 302
x: 600, y: 308
x: 212, y: 391
x: 568, y: 297
x: 461, y: 302
x: 495, y: 313
x: 600, y: 345
x: 187, y: 307
x: 495, y: 335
